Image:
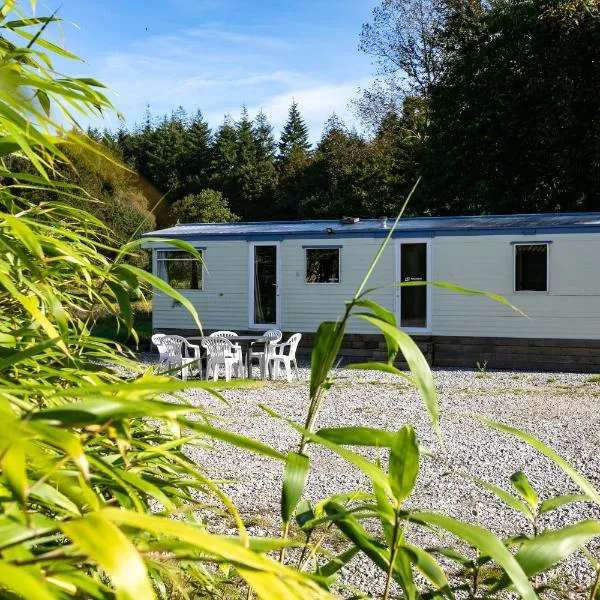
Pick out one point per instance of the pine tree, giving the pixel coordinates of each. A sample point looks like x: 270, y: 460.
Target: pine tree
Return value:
x: 294, y: 159
x: 196, y: 166
x: 225, y: 147
x: 263, y: 135
x: 266, y: 173
x: 225, y: 160
x: 294, y: 136
x: 246, y: 148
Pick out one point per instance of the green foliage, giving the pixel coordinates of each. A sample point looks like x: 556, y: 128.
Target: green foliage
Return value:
x: 99, y: 498
x: 209, y: 206
x: 516, y: 109
x: 294, y: 144
x: 82, y: 467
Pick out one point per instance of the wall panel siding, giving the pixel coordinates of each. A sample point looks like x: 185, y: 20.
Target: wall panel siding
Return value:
x: 223, y: 303
x: 570, y: 309
x: 306, y: 305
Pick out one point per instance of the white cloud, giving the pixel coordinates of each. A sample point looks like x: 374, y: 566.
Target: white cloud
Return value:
x: 167, y: 71
x: 219, y: 34
x: 316, y: 103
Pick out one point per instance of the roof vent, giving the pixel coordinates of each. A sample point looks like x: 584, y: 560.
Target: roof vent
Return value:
x: 349, y: 220
x: 383, y: 222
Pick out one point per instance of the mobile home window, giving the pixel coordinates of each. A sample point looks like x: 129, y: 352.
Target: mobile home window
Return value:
x: 322, y: 265
x: 531, y: 267
x: 180, y: 270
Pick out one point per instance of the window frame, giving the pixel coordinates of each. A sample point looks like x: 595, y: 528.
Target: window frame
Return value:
x: 531, y: 243
x: 398, y: 278
x: 316, y: 247
x: 201, y: 272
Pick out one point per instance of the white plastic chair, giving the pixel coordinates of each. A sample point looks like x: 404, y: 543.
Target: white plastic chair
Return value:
x: 176, y: 353
x: 237, y: 349
x: 273, y: 336
x: 220, y: 351
x: 285, y: 354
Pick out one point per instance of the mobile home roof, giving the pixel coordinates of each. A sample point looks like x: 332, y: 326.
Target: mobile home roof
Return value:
x: 408, y: 227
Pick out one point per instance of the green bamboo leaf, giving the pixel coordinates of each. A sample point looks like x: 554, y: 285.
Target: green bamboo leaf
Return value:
x: 138, y: 481
x: 452, y: 554
x: 550, y: 547
x: 162, y: 286
x: 558, y: 501
x: 417, y: 364
x: 544, y: 551
x: 32, y: 305
x: 183, y: 245
x: 373, y: 472
x: 487, y: 543
x: 326, y: 346
x: 82, y: 584
x: 522, y: 485
x: 357, y: 436
x: 404, y: 463
x: 507, y: 498
x: 234, y: 439
x: 29, y: 22
x: 23, y: 355
x: 584, y: 484
x: 294, y: 479
x: 354, y: 531
x: 31, y: 178
x: 8, y: 146
x: 21, y: 231
x: 213, y: 545
x: 46, y: 44
x: 340, y: 561
x: 13, y: 530
x: 90, y: 81
x: 389, y: 317
x: 304, y: 515
x: 7, y: 340
x: 46, y: 494
x: 124, y: 303
x: 97, y: 411
x: 23, y: 582
x: 385, y: 511
x: 106, y: 544
x: 44, y: 101
x: 429, y: 567
x: 64, y: 440
x: 382, y: 367
x: 14, y: 469
x: 403, y: 572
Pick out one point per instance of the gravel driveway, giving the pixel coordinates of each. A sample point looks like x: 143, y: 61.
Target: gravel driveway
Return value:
x: 561, y: 409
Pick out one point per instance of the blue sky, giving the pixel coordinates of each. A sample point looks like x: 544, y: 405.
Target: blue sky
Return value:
x: 218, y: 55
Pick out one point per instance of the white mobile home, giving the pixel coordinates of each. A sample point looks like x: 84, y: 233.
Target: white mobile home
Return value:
x: 293, y: 275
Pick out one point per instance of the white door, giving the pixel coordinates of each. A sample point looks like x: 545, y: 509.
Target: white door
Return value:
x: 413, y: 302
x: 265, y: 274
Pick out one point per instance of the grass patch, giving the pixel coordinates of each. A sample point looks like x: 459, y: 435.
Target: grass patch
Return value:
x: 593, y: 379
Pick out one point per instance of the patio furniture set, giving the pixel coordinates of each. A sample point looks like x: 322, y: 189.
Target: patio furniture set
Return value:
x: 195, y: 356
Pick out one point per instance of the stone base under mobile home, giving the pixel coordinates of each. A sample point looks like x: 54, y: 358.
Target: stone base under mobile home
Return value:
x: 526, y: 354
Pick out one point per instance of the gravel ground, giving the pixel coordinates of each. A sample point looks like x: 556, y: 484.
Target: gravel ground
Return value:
x: 559, y: 408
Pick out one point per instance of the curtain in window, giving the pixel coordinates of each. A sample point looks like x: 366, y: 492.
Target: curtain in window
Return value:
x: 161, y: 266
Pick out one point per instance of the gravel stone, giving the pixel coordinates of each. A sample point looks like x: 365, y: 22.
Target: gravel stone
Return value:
x: 561, y: 409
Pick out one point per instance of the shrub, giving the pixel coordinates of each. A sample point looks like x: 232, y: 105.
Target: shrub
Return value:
x: 209, y: 206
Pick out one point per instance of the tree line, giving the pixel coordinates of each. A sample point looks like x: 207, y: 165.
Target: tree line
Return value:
x: 495, y: 104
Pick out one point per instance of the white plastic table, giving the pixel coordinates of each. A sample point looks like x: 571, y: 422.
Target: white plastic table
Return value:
x: 245, y: 342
